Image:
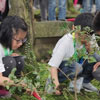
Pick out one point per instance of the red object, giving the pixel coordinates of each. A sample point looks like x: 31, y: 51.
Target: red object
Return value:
x: 3, y: 92
x: 36, y: 96
x: 75, y: 2
x: 71, y: 19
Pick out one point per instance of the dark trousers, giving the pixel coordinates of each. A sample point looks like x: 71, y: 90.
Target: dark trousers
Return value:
x: 87, y: 71
x: 70, y: 71
x: 43, y: 9
x: 13, y: 62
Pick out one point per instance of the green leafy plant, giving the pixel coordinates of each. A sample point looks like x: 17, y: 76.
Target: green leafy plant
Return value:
x: 82, y: 52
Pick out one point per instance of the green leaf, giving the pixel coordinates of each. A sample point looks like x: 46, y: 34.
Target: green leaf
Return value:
x: 91, y: 59
x: 8, y: 87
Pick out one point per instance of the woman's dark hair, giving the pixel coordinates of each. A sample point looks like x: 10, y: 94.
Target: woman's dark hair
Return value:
x: 96, y: 22
x: 84, y: 19
x: 9, y: 24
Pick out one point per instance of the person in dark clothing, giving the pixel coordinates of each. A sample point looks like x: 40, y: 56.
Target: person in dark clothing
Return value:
x: 92, y: 70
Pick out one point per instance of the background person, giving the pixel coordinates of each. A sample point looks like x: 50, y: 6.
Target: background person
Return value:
x: 88, y: 4
x: 62, y: 10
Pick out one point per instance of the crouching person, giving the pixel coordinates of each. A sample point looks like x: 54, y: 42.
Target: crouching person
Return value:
x: 92, y: 70
x: 13, y: 32
x: 64, y: 50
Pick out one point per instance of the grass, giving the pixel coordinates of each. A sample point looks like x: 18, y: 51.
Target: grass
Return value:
x: 66, y: 95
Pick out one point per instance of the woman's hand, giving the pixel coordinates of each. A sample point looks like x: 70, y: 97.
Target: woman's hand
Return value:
x: 57, y: 92
x: 96, y: 66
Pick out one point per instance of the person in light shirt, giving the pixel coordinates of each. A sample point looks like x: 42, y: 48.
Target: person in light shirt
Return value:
x: 65, y: 49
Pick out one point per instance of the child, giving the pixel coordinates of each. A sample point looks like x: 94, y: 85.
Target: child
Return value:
x: 64, y: 50
x: 13, y: 33
x: 86, y: 20
x: 93, y: 69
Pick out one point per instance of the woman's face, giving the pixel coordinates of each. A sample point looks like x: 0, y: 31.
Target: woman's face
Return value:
x: 18, y: 39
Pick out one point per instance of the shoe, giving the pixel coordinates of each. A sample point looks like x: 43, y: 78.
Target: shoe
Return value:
x: 89, y: 87
x: 72, y: 89
x: 78, y: 85
x: 62, y: 19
